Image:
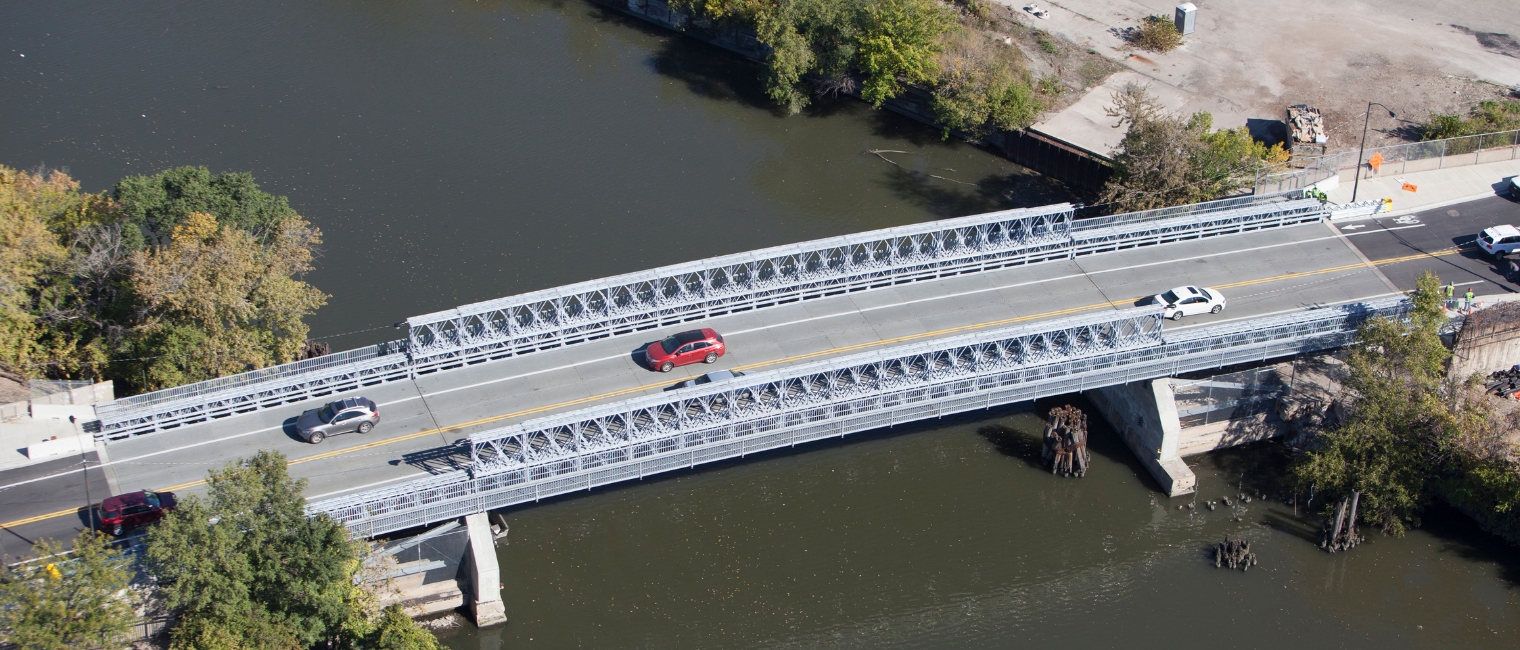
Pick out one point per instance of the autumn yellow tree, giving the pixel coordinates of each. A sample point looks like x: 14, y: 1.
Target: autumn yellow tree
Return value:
x: 215, y: 301
x: 60, y: 262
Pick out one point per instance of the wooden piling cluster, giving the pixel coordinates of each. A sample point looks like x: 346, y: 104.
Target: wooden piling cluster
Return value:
x: 1340, y: 532
x: 1236, y: 553
x: 1066, y: 441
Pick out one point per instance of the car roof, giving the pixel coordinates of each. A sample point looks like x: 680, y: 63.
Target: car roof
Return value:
x: 123, y: 500
x: 1185, y: 291
x: 351, y: 402
x: 720, y: 375
x: 687, y: 337
x: 1504, y: 231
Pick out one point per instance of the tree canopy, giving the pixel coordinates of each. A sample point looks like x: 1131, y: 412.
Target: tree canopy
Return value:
x: 64, y: 601
x: 1166, y: 160
x: 244, y: 567
x: 157, y: 204
x: 171, y: 278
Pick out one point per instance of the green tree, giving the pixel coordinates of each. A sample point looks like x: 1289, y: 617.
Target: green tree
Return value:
x: 156, y: 204
x: 982, y: 85
x: 900, y: 41
x: 59, y: 602
x: 1166, y: 160
x: 1397, y: 435
x: 215, y: 301
x: 245, y: 567
x: 397, y: 631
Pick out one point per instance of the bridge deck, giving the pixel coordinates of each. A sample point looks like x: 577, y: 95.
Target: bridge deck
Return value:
x: 1259, y: 273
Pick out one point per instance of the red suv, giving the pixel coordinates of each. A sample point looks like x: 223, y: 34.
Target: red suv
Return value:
x: 702, y: 345
x: 134, y: 509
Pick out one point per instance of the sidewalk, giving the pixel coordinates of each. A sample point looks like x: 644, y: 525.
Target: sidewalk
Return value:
x: 1435, y: 188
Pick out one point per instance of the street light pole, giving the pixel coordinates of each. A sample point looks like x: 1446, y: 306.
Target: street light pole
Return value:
x: 1366, y: 117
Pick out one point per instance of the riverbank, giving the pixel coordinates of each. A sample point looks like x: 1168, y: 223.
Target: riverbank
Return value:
x: 1070, y: 72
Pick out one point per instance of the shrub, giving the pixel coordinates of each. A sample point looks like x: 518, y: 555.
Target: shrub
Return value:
x: 1156, y: 34
x: 1489, y: 116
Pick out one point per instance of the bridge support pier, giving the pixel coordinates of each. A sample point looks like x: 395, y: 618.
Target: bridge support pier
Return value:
x: 1145, y: 415
x: 484, y: 573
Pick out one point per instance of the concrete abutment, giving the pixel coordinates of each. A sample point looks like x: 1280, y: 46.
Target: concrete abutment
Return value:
x: 1144, y: 413
x: 484, y: 573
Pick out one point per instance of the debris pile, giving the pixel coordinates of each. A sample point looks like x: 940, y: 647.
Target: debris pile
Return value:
x: 1235, y: 553
x: 1341, y: 534
x: 1306, y: 125
x: 1505, y: 383
x: 1066, y: 441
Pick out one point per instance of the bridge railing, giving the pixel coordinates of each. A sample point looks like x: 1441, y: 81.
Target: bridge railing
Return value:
x: 649, y: 435
x: 704, y: 289
x: 249, y: 392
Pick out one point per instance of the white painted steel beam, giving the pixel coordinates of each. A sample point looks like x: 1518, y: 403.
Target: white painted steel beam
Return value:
x: 698, y: 290
x: 647, y: 435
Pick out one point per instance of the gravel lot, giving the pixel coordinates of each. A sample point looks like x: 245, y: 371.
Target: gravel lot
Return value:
x: 1249, y: 60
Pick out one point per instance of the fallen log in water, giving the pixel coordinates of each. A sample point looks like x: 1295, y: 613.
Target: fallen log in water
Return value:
x: 1066, y: 441
x: 1236, y: 553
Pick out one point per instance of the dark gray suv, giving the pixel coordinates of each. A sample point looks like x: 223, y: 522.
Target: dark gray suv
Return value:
x: 345, y: 415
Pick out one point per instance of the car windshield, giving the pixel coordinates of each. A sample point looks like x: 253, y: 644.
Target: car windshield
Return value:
x: 670, y: 344
x: 152, y: 499
x: 1168, y: 298
x: 702, y: 380
x: 326, y: 414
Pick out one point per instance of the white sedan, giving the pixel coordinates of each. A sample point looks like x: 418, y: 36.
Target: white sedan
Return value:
x: 1190, y: 301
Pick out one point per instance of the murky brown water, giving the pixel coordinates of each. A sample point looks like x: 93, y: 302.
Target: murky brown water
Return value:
x: 457, y: 151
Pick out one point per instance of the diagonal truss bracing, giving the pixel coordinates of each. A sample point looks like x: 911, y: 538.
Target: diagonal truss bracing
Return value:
x: 703, y: 289
x: 722, y: 285
x: 635, y: 438
x: 732, y: 283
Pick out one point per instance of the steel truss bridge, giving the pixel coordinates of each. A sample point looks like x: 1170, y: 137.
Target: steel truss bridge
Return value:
x: 682, y: 429
x: 698, y: 290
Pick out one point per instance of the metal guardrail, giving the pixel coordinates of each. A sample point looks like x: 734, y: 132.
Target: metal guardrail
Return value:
x: 704, y: 289
x: 648, y: 435
x: 285, y: 385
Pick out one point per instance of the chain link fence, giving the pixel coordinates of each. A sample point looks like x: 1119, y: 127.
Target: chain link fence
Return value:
x: 1231, y: 396
x: 1396, y: 159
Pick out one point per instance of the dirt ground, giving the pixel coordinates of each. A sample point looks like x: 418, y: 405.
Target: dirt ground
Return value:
x: 1249, y: 60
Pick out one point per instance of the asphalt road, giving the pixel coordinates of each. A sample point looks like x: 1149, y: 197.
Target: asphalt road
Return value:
x: 1260, y: 273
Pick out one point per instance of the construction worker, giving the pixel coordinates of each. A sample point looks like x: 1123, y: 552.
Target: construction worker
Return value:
x: 1451, y: 293
x: 1469, y: 300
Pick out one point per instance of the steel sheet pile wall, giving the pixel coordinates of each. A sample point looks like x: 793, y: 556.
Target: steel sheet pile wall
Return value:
x: 703, y: 289
x: 648, y: 435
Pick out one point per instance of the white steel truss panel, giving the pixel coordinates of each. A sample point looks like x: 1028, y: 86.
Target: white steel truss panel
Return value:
x: 647, y: 435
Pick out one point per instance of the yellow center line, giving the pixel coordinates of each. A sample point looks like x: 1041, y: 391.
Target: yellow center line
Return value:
x: 762, y: 364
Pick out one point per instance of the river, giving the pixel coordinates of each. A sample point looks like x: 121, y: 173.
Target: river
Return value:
x: 460, y: 151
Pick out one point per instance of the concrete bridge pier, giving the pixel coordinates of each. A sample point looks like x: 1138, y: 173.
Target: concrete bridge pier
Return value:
x: 484, y: 573
x: 1145, y: 415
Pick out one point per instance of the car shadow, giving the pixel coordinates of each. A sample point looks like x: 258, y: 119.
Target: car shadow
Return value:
x: 637, y: 356
x: 289, y: 427
x: 1502, y: 188
x: 1146, y: 301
